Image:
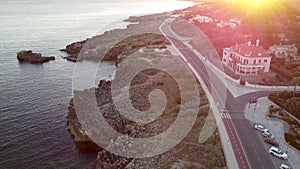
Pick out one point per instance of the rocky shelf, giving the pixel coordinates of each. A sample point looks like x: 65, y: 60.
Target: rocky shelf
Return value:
x: 150, y: 47
x: 103, y: 90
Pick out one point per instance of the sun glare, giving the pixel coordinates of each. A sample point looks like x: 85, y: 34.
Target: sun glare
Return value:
x: 256, y: 7
x: 255, y: 2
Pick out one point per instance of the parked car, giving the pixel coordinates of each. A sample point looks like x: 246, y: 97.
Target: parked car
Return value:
x: 284, y: 166
x: 260, y: 127
x: 267, y: 134
x: 272, y: 142
x: 278, y: 153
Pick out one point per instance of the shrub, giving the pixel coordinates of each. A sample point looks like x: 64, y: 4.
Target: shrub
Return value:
x: 272, y: 109
x: 242, y: 82
x: 286, y: 95
x: 291, y: 139
x: 160, y: 83
x: 281, y: 113
x: 178, y: 100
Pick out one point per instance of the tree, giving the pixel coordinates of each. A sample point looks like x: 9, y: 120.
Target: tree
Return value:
x: 286, y: 95
x: 296, y: 80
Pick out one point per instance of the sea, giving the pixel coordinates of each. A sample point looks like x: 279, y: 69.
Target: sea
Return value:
x: 34, y: 98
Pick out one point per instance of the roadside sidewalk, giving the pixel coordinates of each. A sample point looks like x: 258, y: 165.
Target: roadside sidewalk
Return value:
x: 231, y: 160
x: 258, y: 115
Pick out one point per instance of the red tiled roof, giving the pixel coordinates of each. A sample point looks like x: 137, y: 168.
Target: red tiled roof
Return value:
x: 249, y: 51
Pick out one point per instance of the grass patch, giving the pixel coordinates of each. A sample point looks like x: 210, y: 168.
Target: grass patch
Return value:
x: 293, y: 140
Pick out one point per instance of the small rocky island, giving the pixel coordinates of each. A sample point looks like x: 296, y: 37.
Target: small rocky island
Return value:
x: 29, y: 56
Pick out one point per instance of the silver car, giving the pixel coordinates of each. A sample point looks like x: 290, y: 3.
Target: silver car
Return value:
x: 260, y: 127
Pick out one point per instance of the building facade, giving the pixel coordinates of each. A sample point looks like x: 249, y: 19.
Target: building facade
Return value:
x: 286, y: 52
x: 246, y: 59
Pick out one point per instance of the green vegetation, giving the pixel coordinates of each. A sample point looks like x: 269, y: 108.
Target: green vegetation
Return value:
x: 230, y: 73
x: 271, y: 23
x: 257, y: 22
x: 293, y: 140
x: 288, y: 100
x: 296, y: 80
x: 212, y: 155
x: 289, y: 71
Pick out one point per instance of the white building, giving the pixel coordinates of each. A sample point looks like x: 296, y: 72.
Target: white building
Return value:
x: 201, y: 19
x: 287, y: 52
x: 246, y: 59
x: 231, y: 24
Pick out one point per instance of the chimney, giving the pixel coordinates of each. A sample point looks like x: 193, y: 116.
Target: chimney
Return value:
x: 249, y: 43
x: 257, y: 42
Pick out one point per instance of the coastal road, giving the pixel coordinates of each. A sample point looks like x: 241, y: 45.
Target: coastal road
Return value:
x: 248, y: 149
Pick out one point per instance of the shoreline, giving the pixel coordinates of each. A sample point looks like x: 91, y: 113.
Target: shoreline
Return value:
x: 122, y: 24
x: 133, y: 40
x: 132, y: 24
x: 108, y: 54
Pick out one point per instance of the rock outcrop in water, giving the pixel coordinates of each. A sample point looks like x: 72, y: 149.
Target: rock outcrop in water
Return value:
x: 29, y: 56
x: 73, y: 50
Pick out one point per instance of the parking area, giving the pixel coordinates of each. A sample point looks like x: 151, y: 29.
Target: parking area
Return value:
x: 256, y: 113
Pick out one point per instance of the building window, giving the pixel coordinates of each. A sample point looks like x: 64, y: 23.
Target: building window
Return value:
x: 254, y: 61
x: 266, y: 60
x: 259, y: 61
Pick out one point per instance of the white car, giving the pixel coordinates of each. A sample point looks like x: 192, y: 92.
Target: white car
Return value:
x: 278, y: 153
x: 267, y: 134
x: 260, y: 127
x: 284, y: 166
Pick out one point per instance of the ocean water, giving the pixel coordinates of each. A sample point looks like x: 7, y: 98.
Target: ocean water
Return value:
x: 34, y: 97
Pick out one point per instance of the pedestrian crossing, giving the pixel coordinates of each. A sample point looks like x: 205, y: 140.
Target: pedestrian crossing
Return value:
x: 226, y: 115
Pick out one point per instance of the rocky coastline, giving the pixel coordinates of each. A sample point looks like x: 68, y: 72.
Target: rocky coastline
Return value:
x: 29, y: 56
x: 102, y: 92
x: 73, y: 50
x: 142, y: 40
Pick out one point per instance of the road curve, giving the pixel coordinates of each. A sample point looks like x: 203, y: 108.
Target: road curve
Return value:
x: 248, y: 148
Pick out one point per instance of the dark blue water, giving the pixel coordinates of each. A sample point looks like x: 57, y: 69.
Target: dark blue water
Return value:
x: 34, y: 98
